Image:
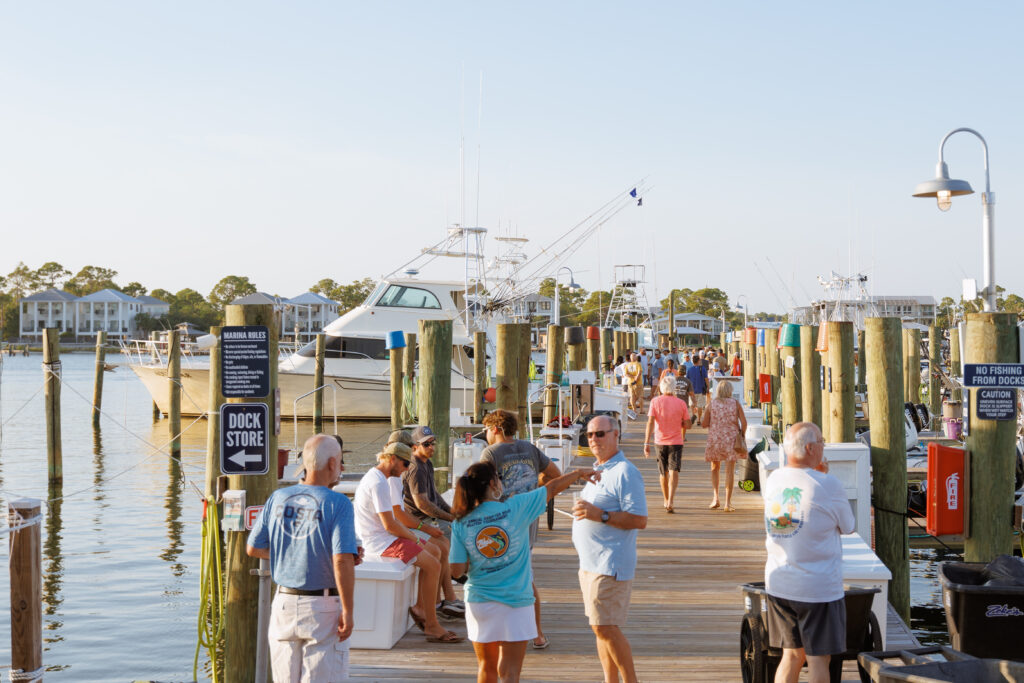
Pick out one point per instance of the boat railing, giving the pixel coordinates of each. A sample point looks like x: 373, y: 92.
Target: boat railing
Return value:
x: 285, y: 359
x: 295, y: 412
x: 150, y: 352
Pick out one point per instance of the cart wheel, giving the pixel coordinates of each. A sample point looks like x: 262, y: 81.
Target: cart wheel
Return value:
x: 551, y: 514
x: 872, y: 643
x: 746, y: 485
x: 752, y: 664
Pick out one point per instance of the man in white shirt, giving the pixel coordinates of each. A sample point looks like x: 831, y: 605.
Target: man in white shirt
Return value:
x: 385, y: 536
x: 805, y: 512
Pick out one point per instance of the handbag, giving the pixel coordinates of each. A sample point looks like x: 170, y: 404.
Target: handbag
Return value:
x: 740, y: 443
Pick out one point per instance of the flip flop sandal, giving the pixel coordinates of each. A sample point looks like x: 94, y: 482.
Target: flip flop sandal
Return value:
x: 542, y: 646
x: 416, y: 619
x: 449, y: 638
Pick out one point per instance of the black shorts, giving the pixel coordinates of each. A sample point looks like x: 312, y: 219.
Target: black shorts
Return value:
x: 818, y: 627
x: 670, y: 458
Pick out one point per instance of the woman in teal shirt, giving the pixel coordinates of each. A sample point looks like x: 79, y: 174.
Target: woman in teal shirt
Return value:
x: 491, y: 544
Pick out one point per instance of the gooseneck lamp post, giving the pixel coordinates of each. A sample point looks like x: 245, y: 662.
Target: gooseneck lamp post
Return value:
x: 943, y: 189
x: 557, y: 320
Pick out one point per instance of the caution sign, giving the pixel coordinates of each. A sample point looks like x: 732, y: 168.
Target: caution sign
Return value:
x: 245, y: 361
x: 996, y: 404
x: 244, y: 438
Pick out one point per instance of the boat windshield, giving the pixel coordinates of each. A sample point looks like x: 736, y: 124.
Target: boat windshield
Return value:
x: 401, y: 296
x: 381, y: 286
x: 348, y: 347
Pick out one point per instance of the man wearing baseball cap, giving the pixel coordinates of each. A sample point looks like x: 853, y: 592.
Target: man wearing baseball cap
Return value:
x: 418, y: 488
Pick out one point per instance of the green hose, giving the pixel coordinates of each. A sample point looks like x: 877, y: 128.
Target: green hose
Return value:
x: 211, y: 591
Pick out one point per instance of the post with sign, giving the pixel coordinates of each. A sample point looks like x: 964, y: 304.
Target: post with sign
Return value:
x: 883, y: 360
x: 992, y: 348
x: 435, y: 388
x: 248, y: 357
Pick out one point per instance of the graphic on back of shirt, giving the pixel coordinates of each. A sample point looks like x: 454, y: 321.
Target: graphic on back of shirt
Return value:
x: 518, y: 477
x: 492, y: 542
x: 299, y: 515
x: 783, y: 514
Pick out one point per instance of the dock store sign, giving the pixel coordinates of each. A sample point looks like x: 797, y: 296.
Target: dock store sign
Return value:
x: 245, y: 361
x: 244, y: 438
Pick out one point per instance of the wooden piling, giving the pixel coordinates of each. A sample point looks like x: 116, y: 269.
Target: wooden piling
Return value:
x: 553, y: 371
x: 912, y: 366
x: 810, y: 376
x: 577, y: 351
x: 396, y: 359
x: 617, y: 345
x: 479, y: 374
x: 240, y: 615
x: 51, y: 394
x: 435, y: 390
x: 991, y: 338
x: 672, y: 318
x: 790, y: 381
x: 523, y: 384
x: 318, y: 381
x: 862, y: 369
x: 771, y: 361
x: 97, y: 385
x: 174, y: 392
x: 826, y: 393
x: 215, y: 400
x: 154, y: 337
x: 409, y: 372
x: 934, y: 368
x: 750, y: 374
x: 954, y: 350
x: 506, y: 367
x: 606, y: 349
x: 884, y: 365
x: 594, y: 355
x: 26, y: 587
x: 842, y: 404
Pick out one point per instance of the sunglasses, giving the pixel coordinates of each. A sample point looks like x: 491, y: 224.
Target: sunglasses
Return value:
x: 597, y: 435
x: 428, y: 444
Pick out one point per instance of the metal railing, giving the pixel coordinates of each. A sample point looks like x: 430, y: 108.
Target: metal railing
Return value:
x: 295, y: 412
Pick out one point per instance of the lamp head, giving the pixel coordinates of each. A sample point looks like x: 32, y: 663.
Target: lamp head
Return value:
x: 942, y: 187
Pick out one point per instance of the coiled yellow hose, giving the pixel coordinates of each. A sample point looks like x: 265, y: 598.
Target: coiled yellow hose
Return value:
x: 211, y: 591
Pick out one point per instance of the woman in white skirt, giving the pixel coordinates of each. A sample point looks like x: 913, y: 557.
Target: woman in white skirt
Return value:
x: 491, y: 544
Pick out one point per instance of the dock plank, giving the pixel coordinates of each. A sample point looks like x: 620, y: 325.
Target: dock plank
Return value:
x: 686, y: 609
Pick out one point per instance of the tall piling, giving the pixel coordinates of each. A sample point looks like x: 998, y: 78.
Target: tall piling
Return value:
x: 594, y: 350
x: 396, y: 359
x: 214, y: 401
x: 934, y: 368
x: 884, y: 365
x: 842, y: 404
x: 97, y: 385
x: 790, y: 376
x: 749, y: 368
x: 617, y: 345
x: 154, y: 354
x: 771, y: 361
x: 523, y: 384
x: 606, y: 349
x: 912, y: 366
x: 318, y: 381
x: 954, y: 350
x: 506, y: 367
x: 409, y: 374
x: 435, y: 390
x: 479, y: 374
x: 241, y: 607
x: 26, y: 588
x: 51, y: 398
x: 825, y: 383
x: 553, y: 371
x: 810, y: 376
x: 575, y: 343
x: 174, y: 393
x: 991, y: 338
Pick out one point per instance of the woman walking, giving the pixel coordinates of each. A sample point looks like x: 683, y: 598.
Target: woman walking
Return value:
x: 667, y: 416
x: 491, y: 544
x: 725, y: 421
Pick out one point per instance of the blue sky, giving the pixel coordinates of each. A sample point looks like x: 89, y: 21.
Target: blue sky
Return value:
x: 181, y: 142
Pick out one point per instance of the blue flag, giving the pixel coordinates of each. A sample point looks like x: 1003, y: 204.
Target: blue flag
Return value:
x: 632, y: 193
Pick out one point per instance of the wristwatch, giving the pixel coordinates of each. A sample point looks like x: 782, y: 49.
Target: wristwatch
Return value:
x: 604, y: 517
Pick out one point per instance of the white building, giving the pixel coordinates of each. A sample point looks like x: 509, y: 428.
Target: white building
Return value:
x: 537, y: 306
x: 52, y: 308
x: 305, y: 315
x: 909, y: 309
x: 698, y: 321
x: 152, y: 306
x: 107, y: 310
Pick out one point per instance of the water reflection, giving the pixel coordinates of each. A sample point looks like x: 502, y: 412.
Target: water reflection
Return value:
x: 98, y: 470
x: 53, y: 569
x: 172, y: 503
x: 927, y: 616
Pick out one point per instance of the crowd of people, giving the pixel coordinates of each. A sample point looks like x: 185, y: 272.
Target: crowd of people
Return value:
x: 314, y: 536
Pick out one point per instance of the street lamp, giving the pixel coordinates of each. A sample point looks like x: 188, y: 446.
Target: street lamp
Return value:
x: 557, y: 320
x: 943, y: 189
x: 743, y: 296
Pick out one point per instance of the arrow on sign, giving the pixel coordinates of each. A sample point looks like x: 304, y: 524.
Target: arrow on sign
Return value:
x: 242, y: 459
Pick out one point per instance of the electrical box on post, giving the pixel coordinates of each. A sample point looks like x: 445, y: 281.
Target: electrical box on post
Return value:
x: 234, y: 511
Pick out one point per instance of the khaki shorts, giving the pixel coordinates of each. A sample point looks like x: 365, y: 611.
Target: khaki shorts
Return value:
x: 605, y: 600
x: 700, y: 400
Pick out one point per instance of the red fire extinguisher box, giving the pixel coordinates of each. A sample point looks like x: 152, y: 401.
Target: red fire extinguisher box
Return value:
x: 947, y: 493
x: 764, y: 388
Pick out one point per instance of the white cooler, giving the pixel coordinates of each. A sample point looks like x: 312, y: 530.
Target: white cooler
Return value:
x: 755, y: 416
x: 384, y: 591
x: 756, y: 431
x: 863, y: 569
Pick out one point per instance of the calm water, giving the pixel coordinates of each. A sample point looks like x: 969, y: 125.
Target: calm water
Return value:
x: 121, y: 550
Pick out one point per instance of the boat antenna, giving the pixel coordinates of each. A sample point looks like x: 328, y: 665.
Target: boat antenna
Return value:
x: 479, y: 136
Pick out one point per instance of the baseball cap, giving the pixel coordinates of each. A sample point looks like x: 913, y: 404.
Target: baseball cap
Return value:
x: 422, y: 433
x: 401, y: 436
x: 397, y: 449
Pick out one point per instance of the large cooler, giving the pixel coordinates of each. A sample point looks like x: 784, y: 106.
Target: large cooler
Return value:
x: 984, y: 621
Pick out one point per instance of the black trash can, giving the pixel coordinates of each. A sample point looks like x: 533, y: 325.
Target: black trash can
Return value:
x: 984, y: 621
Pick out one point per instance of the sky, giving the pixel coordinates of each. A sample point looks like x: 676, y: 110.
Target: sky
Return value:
x: 178, y: 143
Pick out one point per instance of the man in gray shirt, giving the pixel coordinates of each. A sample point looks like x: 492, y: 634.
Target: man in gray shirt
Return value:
x: 522, y: 467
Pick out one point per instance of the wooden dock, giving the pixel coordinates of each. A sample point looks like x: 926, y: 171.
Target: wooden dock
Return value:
x: 686, y: 609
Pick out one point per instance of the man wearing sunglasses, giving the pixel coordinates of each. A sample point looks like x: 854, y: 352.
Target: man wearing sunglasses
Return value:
x: 608, y: 515
x: 421, y: 497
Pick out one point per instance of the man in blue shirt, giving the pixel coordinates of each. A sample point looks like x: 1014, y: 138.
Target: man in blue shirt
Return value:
x: 307, y: 531
x: 608, y: 515
x: 698, y: 376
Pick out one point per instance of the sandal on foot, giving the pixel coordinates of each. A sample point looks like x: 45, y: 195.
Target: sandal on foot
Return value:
x: 417, y: 619
x: 542, y: 645
x: 447, y: 638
